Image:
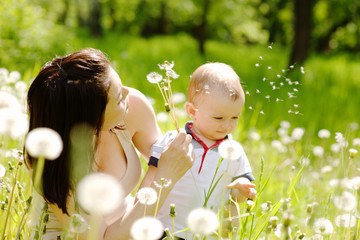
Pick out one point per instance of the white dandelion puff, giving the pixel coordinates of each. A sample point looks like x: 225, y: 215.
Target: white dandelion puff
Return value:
x: 282, y: 131
x: 44, y: 142
x: 346, y: 201
x: 202, y: 221
x: 162, y: 117
x: 297, y: 133
x: 352, y: 152
x: 339, y: 138
x: 179, y: 97
x: 318, y: 151
x: 335, y: 147
x: 230, y: 150
x: 172, y: 74
x: 78, y: 224
x: 345, y: 220
x: 323, y: 226
x: 2, y: 170
x: 147, y: 228
x: 326, y: 169
x: 13, y: 123
x: 356, y: 142
x: 99, y: 193
x: 166, y: 65
x: 285, y: 124
x: 324, y: 133
x: 8, y: 100
x: 154, y: 77
x: 147, y: 196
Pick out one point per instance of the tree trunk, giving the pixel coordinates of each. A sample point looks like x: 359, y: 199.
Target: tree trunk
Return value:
x: 95, y: 15
x: 302, y: 30
x: 200, y: 33
x: 64, y: 14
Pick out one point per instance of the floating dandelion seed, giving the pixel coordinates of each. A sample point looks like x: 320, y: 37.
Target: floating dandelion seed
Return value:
x: 261, y: 57
x: 230, y: 150
x: 264, y: 79
x: 269, y: 67
x: 289, y: 111
x: 78, y: 224
x: 356, y: 142
x: 302, y: 70
x: 146, y: 228
x: 296, y: 105
x: 99, y: 193
x: 283, y: 70
x: 250, y: 107
x: 267, y: 97
x: 278, y: 76
x: 262, y: 112
x: 44, y: 142
x: 257, y: 64
x: 323, y: 226
x: 147, y: 196
x: 247, y: 93
x: 270, y: 47
x: 274, y: 87
x: 258, y: 91
x: 291, y: 66
x: 202, y: 221
x: 271, y: 83
x: 281, y: 84
x: 295, y: 90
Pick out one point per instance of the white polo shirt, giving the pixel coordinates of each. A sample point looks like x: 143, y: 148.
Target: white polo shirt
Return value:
x: 189, y: 192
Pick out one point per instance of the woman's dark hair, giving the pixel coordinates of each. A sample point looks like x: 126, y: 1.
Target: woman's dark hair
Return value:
x: 68, y: 91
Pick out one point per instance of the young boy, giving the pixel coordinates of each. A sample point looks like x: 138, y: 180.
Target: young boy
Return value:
x: 215, y: 101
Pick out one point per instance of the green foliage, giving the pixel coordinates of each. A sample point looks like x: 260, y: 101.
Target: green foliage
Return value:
x: 28, y: 35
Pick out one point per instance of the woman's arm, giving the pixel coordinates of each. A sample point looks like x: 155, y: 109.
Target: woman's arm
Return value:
x: 141, y: 122
x: 175, y: 160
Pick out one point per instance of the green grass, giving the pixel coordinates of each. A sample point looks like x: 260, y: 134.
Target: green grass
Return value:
x: 326, y: 98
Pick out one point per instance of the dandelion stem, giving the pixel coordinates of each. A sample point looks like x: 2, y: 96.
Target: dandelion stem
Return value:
x: 10, y: 202
x: 158, y: 200
x: 38, y: 172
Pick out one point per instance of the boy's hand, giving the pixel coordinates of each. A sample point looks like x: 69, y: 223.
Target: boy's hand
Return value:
x: 242, y: 188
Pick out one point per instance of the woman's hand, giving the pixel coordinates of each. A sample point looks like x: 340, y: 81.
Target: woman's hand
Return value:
x: 176, y: 158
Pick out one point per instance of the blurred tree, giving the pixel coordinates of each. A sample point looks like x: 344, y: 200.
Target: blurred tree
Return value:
x: 95, y: 18
x: 201, y: 28
x: 302, y: 30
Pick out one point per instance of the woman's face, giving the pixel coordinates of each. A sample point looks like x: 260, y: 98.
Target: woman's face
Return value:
x: 117, y: 105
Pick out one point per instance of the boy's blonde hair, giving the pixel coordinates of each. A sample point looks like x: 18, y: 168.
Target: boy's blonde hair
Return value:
x: 215, y: 76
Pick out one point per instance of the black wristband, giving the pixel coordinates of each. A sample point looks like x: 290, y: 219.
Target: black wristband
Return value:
x: 153, y: 161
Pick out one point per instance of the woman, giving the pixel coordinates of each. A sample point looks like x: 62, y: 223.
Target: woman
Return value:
x: 82, y: 88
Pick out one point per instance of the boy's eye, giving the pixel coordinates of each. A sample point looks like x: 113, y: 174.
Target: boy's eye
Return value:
x: 218, y: 118
x: 235, y: 117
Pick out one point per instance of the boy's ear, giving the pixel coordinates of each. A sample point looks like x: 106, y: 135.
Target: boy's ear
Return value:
x: 190, y: 110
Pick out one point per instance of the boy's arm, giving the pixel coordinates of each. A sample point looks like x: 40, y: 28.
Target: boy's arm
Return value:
x: 242, y: 189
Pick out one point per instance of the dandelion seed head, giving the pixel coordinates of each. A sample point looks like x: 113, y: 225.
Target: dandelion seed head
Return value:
x: 297, y: 133
x: 285, y: 124
x: 352, y: 152
x: 254, y: 135
x: 2, y: 170
x: 323, y: 226
x: 318, y: 151
x: 346, y: 201
x: 179, y: 97
x: 154, y: 77
x: 335, y: 147
x: 166, y: 65
x: 146, y: 228
x: 99, y: 193
x: 44, y: 142
x: 345, y: 220
x: 278, y: 145
x: 202, y: 221
x: 163, y: 183
x: 147, y: 196
x: 78, y: 224
x: 324, y: 133
x: 230, y: 150
x: 172, y: 74
x: 356, y: 142
x: 8, y: 100
x: 13, y: 123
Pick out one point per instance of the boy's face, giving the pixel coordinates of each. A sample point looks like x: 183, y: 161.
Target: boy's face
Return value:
x: 215, y: 115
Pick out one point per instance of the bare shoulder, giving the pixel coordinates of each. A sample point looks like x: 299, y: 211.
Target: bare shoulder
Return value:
x: 139, y: 112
